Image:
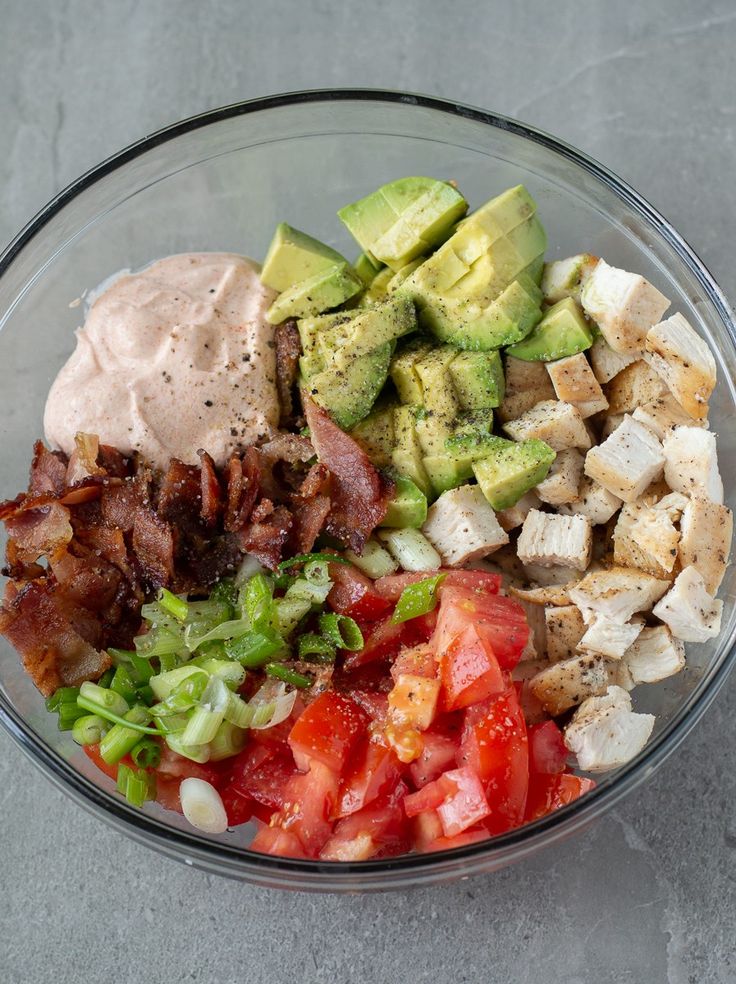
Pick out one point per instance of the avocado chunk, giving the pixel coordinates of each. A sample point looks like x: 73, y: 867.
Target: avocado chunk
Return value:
x: 349, y: 391
x: 446, y: 472
x: 294, y: 256
x: 510, y: 469
x: 408, y: 508
x: 316, y: 294
x: 367, y: 268
x: 562, y: 331
x: 407, y: 454
x: 403, y: 219
x: 564, y: 278
x: 438, y: 393
x: 403, y: 370
x: 478, y: 379
x: 365, y: 329
x: 310, y: 332
x: 376, y: 435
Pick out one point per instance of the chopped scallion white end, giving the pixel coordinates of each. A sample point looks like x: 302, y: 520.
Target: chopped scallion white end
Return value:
x: 411, y: 549
x: 202, y: 806
x: 374, y: 561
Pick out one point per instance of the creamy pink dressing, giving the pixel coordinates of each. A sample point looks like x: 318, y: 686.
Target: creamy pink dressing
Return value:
x: 172, y: 359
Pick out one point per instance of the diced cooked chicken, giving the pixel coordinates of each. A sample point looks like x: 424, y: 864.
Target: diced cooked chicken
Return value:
x: 563, y: 685
x: 617, y: 593
x: 462, y: 526
x: 548, y: 539
x: 627, y: 461
x: 645, y: 537
x: 620, y: 675
x: 691, y: 463
x: 605, y: 362
x: 611, y: 422
x: 552, y: 594
x: 663, y: 415
x: 671, y: 503
x: 537, y: 643
x: 605, y: 732
x: 555, y: 576
x: 685, y: 362
x: 623, y: 305
x: 523, y: 673
x: 692, y: 614
x: 515, y: 515
x: 553, y: 421
x: 565, y: 629
x: 634, y: 386
x: 575, y: 383
x: 608, y: 638
x: 595, y: 502
x: 526, y: 384
x: 706, y: 529
x: 565, y: 278
x: 654, y: 656
x: 563, y: 479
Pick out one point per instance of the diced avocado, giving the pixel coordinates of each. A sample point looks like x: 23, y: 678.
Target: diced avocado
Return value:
x: 478, y: 379
x: 408, y: 508
x: 316, y: 294
x: 377, y: 292
x: 294, y: 256
x: 376, y: 434
x: 348, y: 392
x: 310, y: 331
x: 404, y: 218
x: 438, y: 393
x: 446, y: 472
x: 475, y: 422
x: 365, y: 330
x: 366, y: 267
x: 401, y: 275
x: 502, y: 213
x: 403, y: 371
x: 510, y: 470
x: 465, y: 445
x: 407, y: 455
x: 562, y: 331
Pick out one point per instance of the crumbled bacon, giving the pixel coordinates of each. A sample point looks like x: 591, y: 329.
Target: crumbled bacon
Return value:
x: 48, y: 470
x: 243, y: 486
x: 265, y: 538
x: 311, y: 506
x: 211, y: 492
x: 288, y: 350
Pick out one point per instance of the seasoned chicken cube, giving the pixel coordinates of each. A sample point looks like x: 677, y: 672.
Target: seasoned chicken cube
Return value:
x: 627, y: 461
x: 671, y: 503
x: 685, y: 362
x: 611, y: 422
x: 563, y: 685
x: 565, y: 629
x: 654, y: 656
x: 692, y: 614
x: 563, y: 478
x: 575, y: 383
x: 537, y: 642
x: 558, y: 423
x: 706, y: 529
x: 663, y: 415
x: 605, y: 732
x: 691, y: 463
x: 548, y: 539
x: 617, y: 593
x: 645, y: 537
x: 462, y: 526
x: 515, y: 515
x: 595, y: 502
x: 608, y: 638
x: 565, y: 278
x: 556, y: 576
x: 634, y: 386
x: 605, y: 362
x: 550, y: 594
x: 624, y: 306
x: 526, y: 384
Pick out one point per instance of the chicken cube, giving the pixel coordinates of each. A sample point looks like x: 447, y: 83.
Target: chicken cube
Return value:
x: 563, y: 478
x: 548, y: 539
x: 608, y: 638
x: 595, y: 502
x: 633, y: 387
x: 691, y: 613
x: 565, y: 629
x: 623, y: 305
x: 605, y: 733
x: 671, y: 503
x: 575, y: 383
x: 462, y: 526
x: 691, y: 463
x: 645, y: 537
x: 563, y: 685
x: 536, y: 645
x: 526, y: 384
x: 605, y: 362
x: 559, y: 424
x: 550, y: 594
x: 663, y: 415
x: 515, y: 515
x: 627, y: 461
x: 618, y: 593
x: 706, y: 529
x: 654, y: 656
x: 565, y: 278
x: 685, y: 362
x: 557, y: 576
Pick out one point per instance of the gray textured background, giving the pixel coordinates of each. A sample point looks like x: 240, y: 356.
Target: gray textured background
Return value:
x: 648, y: 894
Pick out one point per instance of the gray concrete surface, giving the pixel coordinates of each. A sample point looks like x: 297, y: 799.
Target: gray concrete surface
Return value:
x: 648, y: 894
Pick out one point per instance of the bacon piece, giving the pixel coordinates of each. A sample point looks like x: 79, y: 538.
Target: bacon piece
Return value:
x: 311, y: 507
x: 48, y: 470
x: 83, y: 460
x: 288, y: 350
x: 179, y: 498
x: 266, y: 539
x: 243, y: 485
x: 39, y: 531
x: 153, y: 544
x: 211, y: 493
x: 360, y: 495
x: 113, y: 462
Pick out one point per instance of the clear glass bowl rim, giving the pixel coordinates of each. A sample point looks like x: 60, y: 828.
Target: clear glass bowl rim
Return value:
x: 406, y: 870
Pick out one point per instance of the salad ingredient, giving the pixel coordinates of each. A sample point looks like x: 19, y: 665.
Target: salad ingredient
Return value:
x: 608, y: 638
x: 202, y: 805
x: 527, y: 383
x: 684, y: 362
x: 575, y: 383
x: 411, y: 549
x: 628, y: 461
x: 478, y: 379
x: 691, y: 613
x: 565, y: 278
x: 564, y: 628
x: 564, y: 685
x: 618, y: 592
x: 510, y: 469
x: 634, y: 386
x: 663, y: 415
x: 547, y: 539
x: 706, y: 529
x: 654, y: 655
x: 294, y: 256
x: 594, y: 501
x: 691, y: 463
x: 558, y: 424
x: 563, y: 331
x: 605, y: 362
x: 623, y: 305
x: 322, y: 292
x: 463, y: 527
x: 605, y: 732
x: 563, y: 479
x: 408, y: 508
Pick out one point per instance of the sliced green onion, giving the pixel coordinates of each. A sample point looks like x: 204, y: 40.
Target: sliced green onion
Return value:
x: 227, y: 670
x: 106, y: 678
x: 314, y: 593
x: 225, y: 592
x: 164, y: 684
x: 253, y: 649
x: 170, y: 724
x: 197, y: 753
x: 302, y: 559
x: 257, y: 602
x: 69, y: 714
x: 271, y: 705
x: 417, y: 599
x: 237, y: 712
x: 248, y: 567
x: 95, y: 708
x: 343, y: 632
x: 64, y: 695
x: 317, y: 572
x: 202, y: 805
x: 159, y: 642
x: 141, y: 668
x: 290, y: 610
x: 212, y: 650
x: 374, y: 561
x: 153, y: 613
x: 229, y: 741
x: 103, y: 698
x: 411, y: 549
x: 121, y: 738
x: 209, y: 715
x: 225, y: 630
x: 146, y: 753
x: 281, y: 672
x: 122, y: 684
x: 173, y: 605
x: 316, y: 649
x: 136, y: 785
x: 90, y: 729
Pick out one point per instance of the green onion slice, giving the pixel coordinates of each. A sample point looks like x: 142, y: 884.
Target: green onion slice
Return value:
x: 316, y: 648
x: 343, y: 632
x: 146, y: 753
x: 173, y: 605
x: 302, y: 559
x: 281, y: 672
x: 417, y: 599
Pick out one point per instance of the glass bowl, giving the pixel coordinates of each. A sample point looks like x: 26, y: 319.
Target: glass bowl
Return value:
x: 221, y: 181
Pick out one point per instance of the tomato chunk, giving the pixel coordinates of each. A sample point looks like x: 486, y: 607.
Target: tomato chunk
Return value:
x: 278, y: 842
x: 239, y: 808
x: 457, y: 796
x: 310, y: 803
x: 354, y: 594
x: 548, y: 793
x: 372, y: 769
x: 470, y: 670
x: 503, y: 620
x: 377, y: 829
x: 327, y: 731
x: 392, y: 585
x: 437, y: 756
x: 547, y: 749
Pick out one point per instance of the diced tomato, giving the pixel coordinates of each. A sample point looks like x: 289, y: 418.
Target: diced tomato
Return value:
x: 377, y: 829
x: 458, y: 798
x: 93, y: 754
x: 173, y: 766
x: 239, y: 808
x: 494, y: 745
x: 278, y: 842
x: 311, y: 798
x: 551, y: 792
x: 277, y: 737
x: 429, y: 797
x: 426, y: 828
x: 471, y: 836
x: 503, y: 620
x: 382, y: 641
x: 354, y: 594
x: 547, y: 749
x: 372, y: 769
x: 267, y: 782
x: 419, y: 661
x: 167, y: 794
x: 327, y: 731
x: 470, y: 670
x: 374, y: 703
x: 438, y: 755
x: 392, y: 585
